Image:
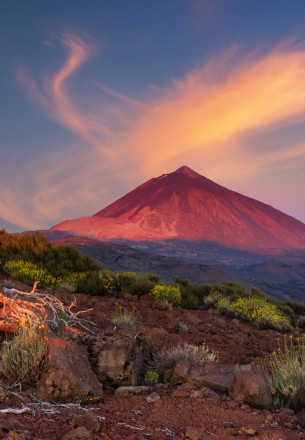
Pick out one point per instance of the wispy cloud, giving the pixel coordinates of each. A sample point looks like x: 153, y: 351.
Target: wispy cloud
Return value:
x: 204, y: 119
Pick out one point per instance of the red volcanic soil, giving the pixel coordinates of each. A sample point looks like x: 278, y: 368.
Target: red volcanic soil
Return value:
x: 188, y: 206
x: 179, y: 413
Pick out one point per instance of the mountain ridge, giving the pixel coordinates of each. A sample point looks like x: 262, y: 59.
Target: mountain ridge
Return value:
x: 185, y: 205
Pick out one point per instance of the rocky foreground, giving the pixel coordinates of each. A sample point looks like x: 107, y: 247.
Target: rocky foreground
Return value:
x: 93, y: 386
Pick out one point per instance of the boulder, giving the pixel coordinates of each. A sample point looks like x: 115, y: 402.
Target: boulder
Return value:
x: 180, y: 372
x: 215, y: 381
x: 68, y: 376
x: 251, y: 388
x: 119, y: 363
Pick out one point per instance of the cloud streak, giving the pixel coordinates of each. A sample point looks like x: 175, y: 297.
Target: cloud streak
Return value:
x: 204, y: 120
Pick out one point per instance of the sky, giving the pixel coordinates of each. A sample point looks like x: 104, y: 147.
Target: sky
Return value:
x: 99, y: 96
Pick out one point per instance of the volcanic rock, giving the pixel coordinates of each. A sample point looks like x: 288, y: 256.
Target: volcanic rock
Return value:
x: 68, y: 376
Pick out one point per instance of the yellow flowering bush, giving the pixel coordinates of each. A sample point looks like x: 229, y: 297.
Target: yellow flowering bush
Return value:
x: 169, y: 294
x: 256, y: 310
x: 109, y: 281
x: 284, y: 371
x: 261, y: 313
x: 29, y: 272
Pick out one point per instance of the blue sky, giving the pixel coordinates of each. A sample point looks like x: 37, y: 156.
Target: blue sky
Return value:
x: 99, y: 96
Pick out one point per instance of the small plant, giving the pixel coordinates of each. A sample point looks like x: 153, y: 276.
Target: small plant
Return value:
x: 284, y: 371
x: 151, y: 378
x: 301, y: 322
x: 189, y: 301
x: 23, y: 358
x: 168, y: 293
x: 182, y: 327
x: 123, y: 318
x: 198, y: 355
x: 212, y: 298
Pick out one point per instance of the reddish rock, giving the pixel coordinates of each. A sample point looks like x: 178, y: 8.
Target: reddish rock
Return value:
x: 193, y: 433
x: 80, y: 433
x: 251, y: 388
x: 180, y: 372
x: 68, y: 376
x: 180, y: 394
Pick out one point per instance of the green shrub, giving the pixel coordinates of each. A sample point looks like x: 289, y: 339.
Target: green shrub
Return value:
x: 168, y: 356
x: 25, y: 245
x: 213, y: 298
x: 284, y: 372
x: 170, y: 294
x: 151, y: 378
x: 140, y: 288
x: 23, y: 358
x: 110, y: 282
x: 91, y: 284
x: 63, y: 260
x: 189, y: 301
x: 123, y: 318
x: 182, y: 281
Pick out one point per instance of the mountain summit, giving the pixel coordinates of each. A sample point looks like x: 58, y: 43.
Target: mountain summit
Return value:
x: 187, y: 206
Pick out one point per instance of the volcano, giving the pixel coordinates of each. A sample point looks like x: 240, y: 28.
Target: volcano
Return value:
x: 187, y: 206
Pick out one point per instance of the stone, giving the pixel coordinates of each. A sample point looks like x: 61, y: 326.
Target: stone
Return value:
x: 180, y: 372
x: 80, y: 433
x: 180, y: 394
x: 193, y: 433
x: 119, y: 363
x: 214, y: 381
x: 252, y: 389
x: 247, y: 431
x: 89, y: 420
x: 126, y: 391
x: 68, y: 376
x: 153, y: 398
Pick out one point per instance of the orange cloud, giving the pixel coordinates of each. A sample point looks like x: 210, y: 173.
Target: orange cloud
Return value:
x: 203, y: 120
x: 202, y: 116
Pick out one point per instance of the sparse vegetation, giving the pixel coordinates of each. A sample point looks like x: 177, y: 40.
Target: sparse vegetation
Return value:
x: 198, y: 355
x: 23, y: 358
x: 123, y: 318
x: 284, y: 373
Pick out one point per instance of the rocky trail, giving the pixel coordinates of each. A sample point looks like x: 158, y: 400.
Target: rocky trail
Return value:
x: 103, y: 370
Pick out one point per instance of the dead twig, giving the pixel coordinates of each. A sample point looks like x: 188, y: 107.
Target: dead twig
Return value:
x: 37, y: 307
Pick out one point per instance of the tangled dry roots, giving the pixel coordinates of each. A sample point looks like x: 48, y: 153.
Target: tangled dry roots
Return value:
x: 36, y: 308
